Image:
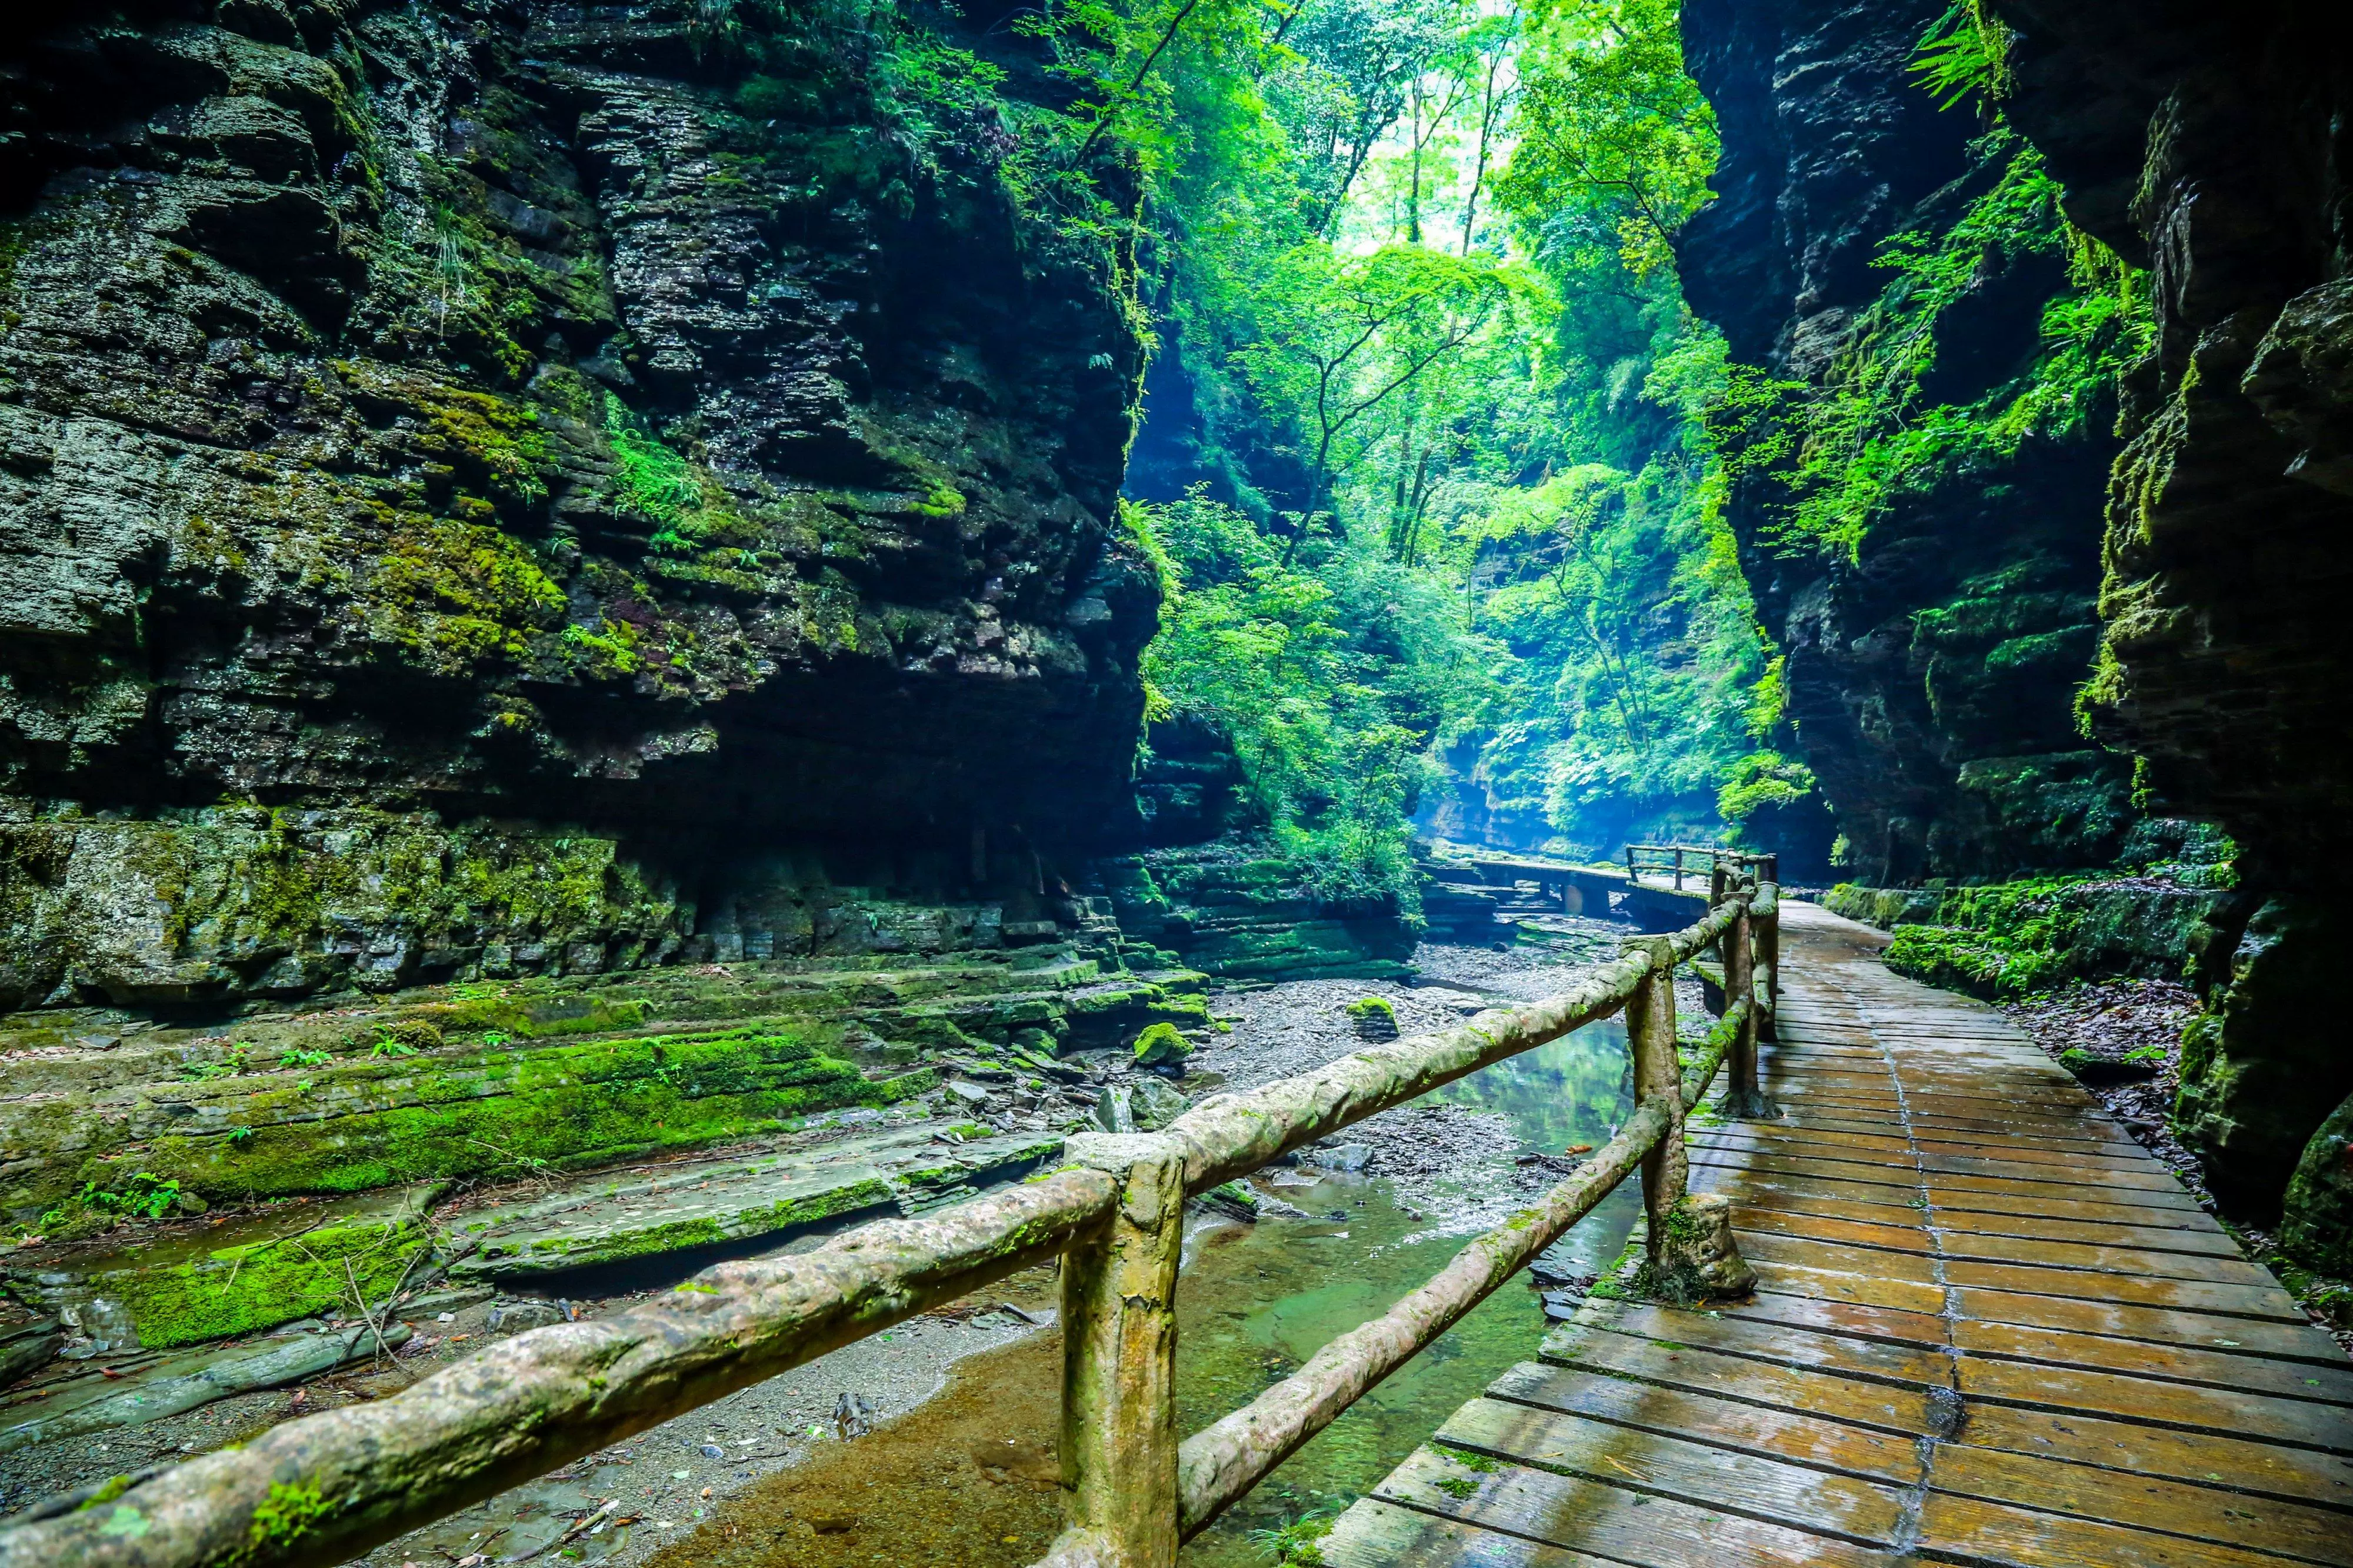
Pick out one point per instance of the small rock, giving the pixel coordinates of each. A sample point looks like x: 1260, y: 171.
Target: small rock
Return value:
x: 853, y: 1417
x: 1347, y: 1157
x: 713, y: 1451
x: 515, y: 1317
x: 1161, y: 1045
x: 1156, y: 1105
x: 1112, y: 1113
x: 972, y: 1094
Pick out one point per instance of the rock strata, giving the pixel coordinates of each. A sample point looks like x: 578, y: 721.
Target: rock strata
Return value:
x: 1931, y: 666
x: 565, y: 461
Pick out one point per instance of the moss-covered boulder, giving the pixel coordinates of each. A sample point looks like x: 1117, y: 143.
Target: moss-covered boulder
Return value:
x: 1161, y: 1044
x: 2267, y: 1065
x: 2316, y: 1221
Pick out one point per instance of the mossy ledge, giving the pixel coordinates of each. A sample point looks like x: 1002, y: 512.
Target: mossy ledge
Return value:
x: 355, y: 1124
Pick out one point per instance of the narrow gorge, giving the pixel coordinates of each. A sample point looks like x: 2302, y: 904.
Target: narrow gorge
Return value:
x: 636, y: 636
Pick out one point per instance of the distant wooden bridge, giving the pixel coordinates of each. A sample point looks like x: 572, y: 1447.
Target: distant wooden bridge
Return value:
x: 1989, y: 1328
x: 1663, y: 887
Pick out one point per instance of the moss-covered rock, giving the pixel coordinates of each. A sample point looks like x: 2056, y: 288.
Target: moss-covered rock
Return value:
x: 1160, y: 1045
x: 2010, y: 939
x: 2316, y: 1221
x: 299, y: 1261
x: 490, y: 412
x: 2264, y: 1067
x: 374, y: 1121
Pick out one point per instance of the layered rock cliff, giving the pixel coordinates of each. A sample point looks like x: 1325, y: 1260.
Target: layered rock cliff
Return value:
x: 2213, y: 147
x: 506, y: 487
x: 1862, y: 234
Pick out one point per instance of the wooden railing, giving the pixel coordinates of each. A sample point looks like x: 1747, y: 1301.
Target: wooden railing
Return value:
x: 326, y: 1487
x: 1679, y: 860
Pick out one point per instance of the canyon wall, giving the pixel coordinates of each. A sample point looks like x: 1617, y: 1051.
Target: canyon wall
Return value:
x: 2215, y: 148
x: 2175, y: 583
x: 508, y: 487
x: 1932, y: 663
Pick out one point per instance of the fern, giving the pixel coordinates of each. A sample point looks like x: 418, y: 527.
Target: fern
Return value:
x: 1965, y: 55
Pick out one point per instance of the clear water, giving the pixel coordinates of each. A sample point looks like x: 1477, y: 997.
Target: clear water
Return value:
x: 1257, y: 1301
x: 1254, y: 1302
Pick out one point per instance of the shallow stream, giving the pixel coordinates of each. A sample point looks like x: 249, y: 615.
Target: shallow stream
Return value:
x: 967, y: 1479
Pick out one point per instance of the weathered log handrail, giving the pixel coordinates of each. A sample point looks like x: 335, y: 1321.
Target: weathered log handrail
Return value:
x: 1675, y: 860
x: 326, y: 1488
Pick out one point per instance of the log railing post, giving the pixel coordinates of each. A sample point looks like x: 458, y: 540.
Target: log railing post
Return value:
x: 1679, y: 867
x: 1658, y: 1080
x: 1119, y: 1361
x: 1743, y: 1100
x: 1766, y: 911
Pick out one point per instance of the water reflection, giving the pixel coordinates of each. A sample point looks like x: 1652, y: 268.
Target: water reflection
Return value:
x: 1258, y: 1300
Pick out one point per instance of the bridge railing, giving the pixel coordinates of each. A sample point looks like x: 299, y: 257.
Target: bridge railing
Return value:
x: 1677, y: 861
x: 324, y: 1488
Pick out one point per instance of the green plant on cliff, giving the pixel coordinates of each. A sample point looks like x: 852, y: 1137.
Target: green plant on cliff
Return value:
x: 1874, y: 435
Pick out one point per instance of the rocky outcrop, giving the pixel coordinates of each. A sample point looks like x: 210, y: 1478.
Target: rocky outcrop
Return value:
x: 1931, y: 663
x: 1238, y: 908
x: 593, y: 454
x: 2212, y: 146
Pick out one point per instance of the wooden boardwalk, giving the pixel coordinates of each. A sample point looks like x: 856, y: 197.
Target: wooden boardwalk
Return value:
x: 1990, y: 1329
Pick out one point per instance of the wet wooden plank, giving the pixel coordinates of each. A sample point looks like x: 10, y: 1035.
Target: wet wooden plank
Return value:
x: 1861, y: 1290
x: 2174, y: 1508
x: 2237, y: 1464
x: 1826, y: 1227
x: 1751, y: 1484
x: 2265, y: 1300
x: 1968, y: 1530
x: 1617, y: 1522
x: 1782, y: 1344
x: 2170, y: 1362
x: 1881, y: 1406
x: 1819, y: 1315
x: 2014, y: 1249
x: 2208, y: 1241
x: 2252, y: 1336
x: 2221, y: 1412
x: 1731, y: 1424
x: 1945, y: 1200
x: 1970, y: 1189
x: 1875, y: 1263
x: 1377, y: 1534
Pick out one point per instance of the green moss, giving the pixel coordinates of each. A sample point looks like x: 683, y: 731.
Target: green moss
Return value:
x: 1159, y: 1044
x: 109, y: 1489
x: 372, y: 1122
x: 450, y: 595
x: 239, y: 1290
x: 284, y: 1516
x: 2013, y: 938
x: 1371, y: 1007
